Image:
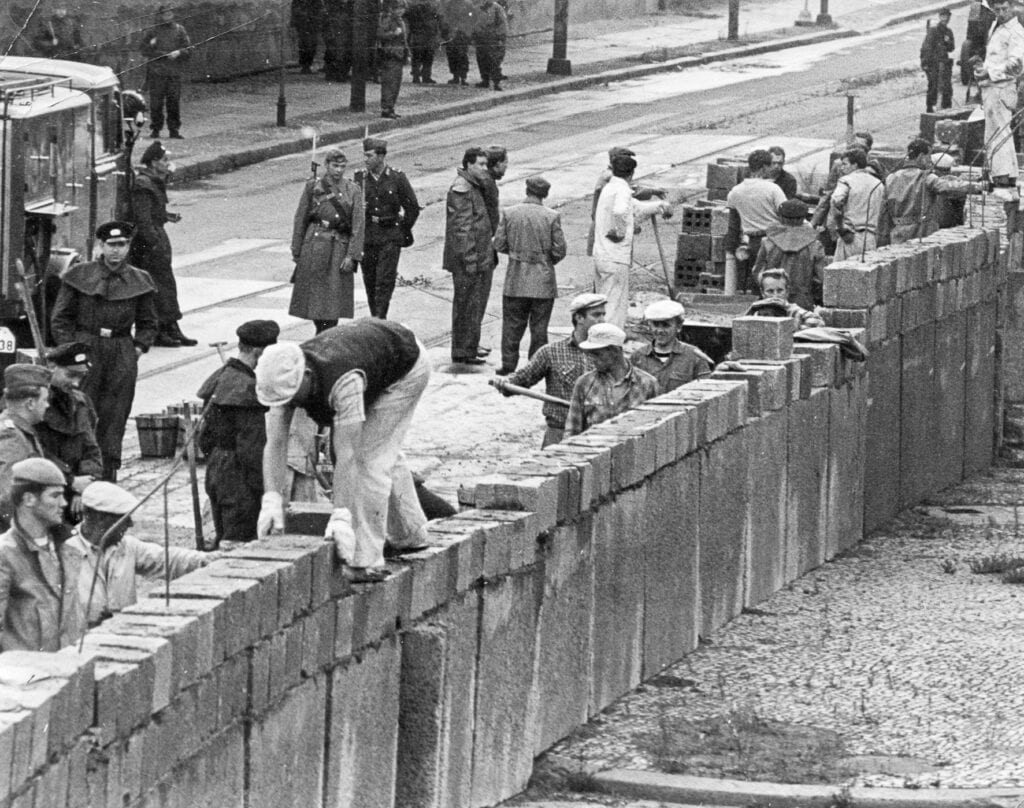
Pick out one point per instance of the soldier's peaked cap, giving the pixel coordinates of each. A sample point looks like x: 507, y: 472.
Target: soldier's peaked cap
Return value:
x: 258, y: 333
x: 21, y: 376
x: 70, y: 353
x: 110, y: 230
x: 375, y: 144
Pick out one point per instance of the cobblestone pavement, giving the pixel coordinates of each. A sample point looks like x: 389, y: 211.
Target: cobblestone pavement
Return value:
x: 897, y: 646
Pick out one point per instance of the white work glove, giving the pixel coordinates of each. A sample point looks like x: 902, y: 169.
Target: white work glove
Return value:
x: 339, y: 530
x: 271, y: 516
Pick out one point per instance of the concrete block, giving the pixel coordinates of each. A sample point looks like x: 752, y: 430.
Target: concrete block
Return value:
x: 852, y: 285
x: 654, y: 428
x: 669, y: 540
x: 435, y: 734
x: 362, y: 729
x: 307, y: 518
x: 762, y: 337
x: 379, y: 609
x: 595, y: 465
x: 824, y: 362
x: 504, y: 719
x: 682, y: 417
x: 536, y: 494
x: 432, y: 583
x: 918, y: 414
x: 211, y: 614
x: 723, y: 490
x: 618, y: 598
x: 766, y: 385
x: 697, y: 406
x: 979, y: 382
x: 42, y: 701
x: 562, y: 692
x: 239, y: 627
x: 190, y: 637
x: 313, y: 566
x: 7, y: 732
x: 765, y: 526
x: 634, y: 450
x: 510, y: 539
x: 215, y: 777
x: 160, y: 651
x: 286, y: 749
x: 233, y: 688
x: 466, y: 539
x: 52, y: 786
x: 727, y: 404
x: 846, y: 469
x: 537, y: 464
x: 882, y: 434
x: 78, y: 774
x: 17, y: 728
x: 807, y: 483
x: 948, y: 431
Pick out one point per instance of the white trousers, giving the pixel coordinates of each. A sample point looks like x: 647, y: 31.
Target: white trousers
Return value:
x: 612, y: 279
x: 1000, y: 101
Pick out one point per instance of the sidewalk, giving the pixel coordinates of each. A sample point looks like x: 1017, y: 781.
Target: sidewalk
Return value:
x: 237, y: 125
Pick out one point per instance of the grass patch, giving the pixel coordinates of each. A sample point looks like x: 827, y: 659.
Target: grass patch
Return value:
x: 744, y: 745
x: 996, y: 563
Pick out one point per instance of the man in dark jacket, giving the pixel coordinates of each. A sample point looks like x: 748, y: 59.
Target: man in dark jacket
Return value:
x: 423, y: 19
x: 392, y: 51
x: 489, y: 35
x: 937, y: 63
x: 234, y: 434
x: 58, y: 36
x: 307, y: 17
x: 391, y: 212
x: 100, y: 303
x: 68, y: 430
x: 151, y: 248
x: 468, y: 254
x: 363, y: 379
x: 166, y: 49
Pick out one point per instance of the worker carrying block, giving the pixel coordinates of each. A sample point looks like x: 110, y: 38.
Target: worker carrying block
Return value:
x: 363, y: 379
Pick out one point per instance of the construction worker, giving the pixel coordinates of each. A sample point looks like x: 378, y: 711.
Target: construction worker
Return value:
x: 234, y: 434
x: 667, y: 358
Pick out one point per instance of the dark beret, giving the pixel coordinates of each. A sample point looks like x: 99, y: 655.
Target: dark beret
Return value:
x: 793, y: 209
x: 154, y: 151
x: 258, y: 333
x: 375, y: 144
x: 538, y: 186
x: 70, y: 353
x: 22, y: 376
x: 115, y: 230
x: 945, y: 12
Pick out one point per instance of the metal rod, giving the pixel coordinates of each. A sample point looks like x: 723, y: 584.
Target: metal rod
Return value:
x: 515, y: 389
x: 167, y: 548
x: 193, y: 479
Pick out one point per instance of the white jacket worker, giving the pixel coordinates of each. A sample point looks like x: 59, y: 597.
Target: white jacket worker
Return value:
x: 122, y: 557
x: 363, y: 379
x: 1004, y: 57
x: 614, y: 228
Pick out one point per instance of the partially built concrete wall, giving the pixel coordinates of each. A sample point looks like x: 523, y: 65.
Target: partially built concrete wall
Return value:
x: 266, y: 682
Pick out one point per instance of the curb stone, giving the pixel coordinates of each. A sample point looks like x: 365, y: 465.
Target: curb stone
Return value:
x: 678, y: 788
x: 206, y: 166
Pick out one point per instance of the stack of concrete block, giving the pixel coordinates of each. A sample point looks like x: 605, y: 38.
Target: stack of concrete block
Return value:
x: 723, y: 175
x: 700, y: 251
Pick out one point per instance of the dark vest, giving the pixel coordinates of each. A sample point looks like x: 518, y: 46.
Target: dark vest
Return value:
x: 384, y: 351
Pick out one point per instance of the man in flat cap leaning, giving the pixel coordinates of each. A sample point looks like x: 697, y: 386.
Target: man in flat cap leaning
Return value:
x: 110, y: 306
x: 666, y: 357
x: 531, y: 235
x: 26, y: 397
x: 391, y: 213
x: 234, y: 434
x: 122, y: 556
x: 363, y: 379
x: 39, y: 608
x: 68, y: 430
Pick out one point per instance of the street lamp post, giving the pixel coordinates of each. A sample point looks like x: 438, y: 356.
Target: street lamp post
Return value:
x: 824, y: 18
x: 734, y: 19
x: 282, y: 103
x: 558, y: 64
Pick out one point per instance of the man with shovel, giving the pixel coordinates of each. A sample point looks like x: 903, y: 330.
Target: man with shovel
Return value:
x: 560, y: 364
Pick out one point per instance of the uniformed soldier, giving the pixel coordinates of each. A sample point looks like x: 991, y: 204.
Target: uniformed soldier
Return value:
x: 100, y: 303
x: 233, y: 435
x: 391, y: 212
x: 68, y: 430
x: 392, y: 50
x: 337, y: 33
x: 26, y: 397
x: 423, y: 19
x: 307, y: 17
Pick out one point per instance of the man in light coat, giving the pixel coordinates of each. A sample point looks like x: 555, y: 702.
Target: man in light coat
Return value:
x: 531, y: 235
x: 614, y: 229
x: 855, y: 210
x: 119, y: 556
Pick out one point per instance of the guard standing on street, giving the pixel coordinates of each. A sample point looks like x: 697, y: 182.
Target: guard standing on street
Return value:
x: 100, y: 303
x: 424, y: 24
x: 166, y: 49
x: 489, y: 36
x: 68, y: 430
x: 151, y: 248
x: 307, y: 18
x: 337, y: 31
x: 937, y: 63
x: 391, y: 212
x: 392, y: 51
x: 327, y: 244
x: 234, y: 434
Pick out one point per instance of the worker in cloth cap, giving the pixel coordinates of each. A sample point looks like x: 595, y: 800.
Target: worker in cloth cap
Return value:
x: 233, y: 435
x: 612, y: 387
x: 107, y: 552
x: 560, y: 364
x: 391, y: 213
x: 794, y: 245
x: 100, y: 303
x: 68, y: 430
x: 26, y: 397
x: 666, y: 357
x: 39, y: 608
x: 531, y: 235
x: 641, y: 192
x: 151, y: 247
x: 363, y: 379
x: 327, y: 245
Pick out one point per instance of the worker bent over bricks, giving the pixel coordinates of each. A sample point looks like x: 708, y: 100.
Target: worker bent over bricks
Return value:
x: 363, y: 379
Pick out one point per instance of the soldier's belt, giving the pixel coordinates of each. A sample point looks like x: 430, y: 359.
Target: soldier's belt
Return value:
x: 383, y: 221
x: 113, y: 333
